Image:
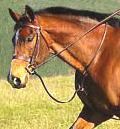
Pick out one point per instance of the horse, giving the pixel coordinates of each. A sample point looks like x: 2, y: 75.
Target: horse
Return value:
x: 49, y: 31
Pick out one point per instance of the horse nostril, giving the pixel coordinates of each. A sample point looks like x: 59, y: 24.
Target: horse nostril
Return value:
x: 17, y: 81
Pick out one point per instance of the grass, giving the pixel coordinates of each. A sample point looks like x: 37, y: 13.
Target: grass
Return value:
x: 31, y: 108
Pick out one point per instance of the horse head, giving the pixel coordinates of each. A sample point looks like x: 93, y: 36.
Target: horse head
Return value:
x: 28, y: 44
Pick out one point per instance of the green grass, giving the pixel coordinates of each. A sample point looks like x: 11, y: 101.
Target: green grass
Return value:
x: 31, y: 108
x: 6, y: 27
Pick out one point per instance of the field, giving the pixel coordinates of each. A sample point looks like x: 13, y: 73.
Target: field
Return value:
x: 31, y: 108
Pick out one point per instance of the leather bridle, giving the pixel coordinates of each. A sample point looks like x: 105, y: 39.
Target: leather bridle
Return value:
x: 36, y: 48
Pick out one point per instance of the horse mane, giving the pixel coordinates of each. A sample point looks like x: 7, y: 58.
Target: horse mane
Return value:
x: 115, y: 22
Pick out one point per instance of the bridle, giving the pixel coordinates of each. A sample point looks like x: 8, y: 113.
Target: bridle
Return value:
x: 36, y: 48
x: 84, y: 72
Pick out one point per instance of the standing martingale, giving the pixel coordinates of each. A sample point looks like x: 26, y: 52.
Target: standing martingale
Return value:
x: 38, y: 34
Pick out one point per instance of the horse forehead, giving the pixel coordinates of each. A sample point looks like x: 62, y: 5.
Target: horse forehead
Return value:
x: 24, y: 32
x: 20, y: 33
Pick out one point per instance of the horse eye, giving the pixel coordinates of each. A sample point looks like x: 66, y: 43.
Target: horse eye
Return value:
x: 30, y: 38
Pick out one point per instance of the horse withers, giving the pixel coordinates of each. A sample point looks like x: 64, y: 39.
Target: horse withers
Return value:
x: 49, y: 31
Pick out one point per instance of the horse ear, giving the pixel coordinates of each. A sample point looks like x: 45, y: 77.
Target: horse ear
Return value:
x: 29, y: 13
x: 15, y: 16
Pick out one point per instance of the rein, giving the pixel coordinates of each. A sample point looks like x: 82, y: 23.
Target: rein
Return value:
x: 32, y: 60
x: 82, y: 79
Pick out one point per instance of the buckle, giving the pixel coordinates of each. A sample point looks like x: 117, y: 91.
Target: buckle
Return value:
x: 30, y: 69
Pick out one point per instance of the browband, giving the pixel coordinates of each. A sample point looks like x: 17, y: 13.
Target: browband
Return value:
x: 32, y: 26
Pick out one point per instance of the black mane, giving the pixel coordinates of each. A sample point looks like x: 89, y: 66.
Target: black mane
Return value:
x: 85, y: 13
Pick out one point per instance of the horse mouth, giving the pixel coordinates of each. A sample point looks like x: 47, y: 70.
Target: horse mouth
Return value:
x: 17, y: 86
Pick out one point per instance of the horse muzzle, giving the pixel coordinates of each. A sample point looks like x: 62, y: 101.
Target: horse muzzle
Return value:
x: 18, y: 76
x: 15, y: 82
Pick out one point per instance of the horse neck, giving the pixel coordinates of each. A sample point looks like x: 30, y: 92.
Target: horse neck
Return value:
x: 60, y: 32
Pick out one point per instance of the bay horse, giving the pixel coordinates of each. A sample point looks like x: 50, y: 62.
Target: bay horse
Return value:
x: 47, y: 31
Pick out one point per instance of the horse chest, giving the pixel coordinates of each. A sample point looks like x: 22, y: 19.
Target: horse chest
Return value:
x: 93, y: 96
